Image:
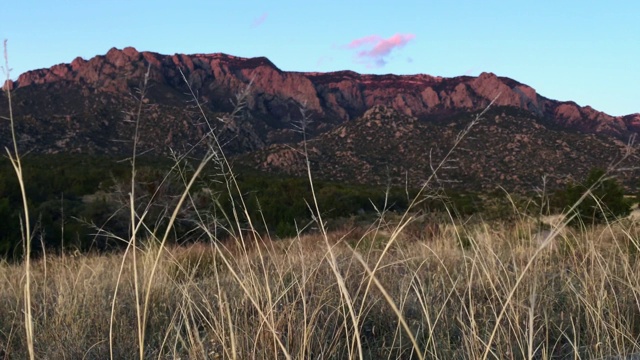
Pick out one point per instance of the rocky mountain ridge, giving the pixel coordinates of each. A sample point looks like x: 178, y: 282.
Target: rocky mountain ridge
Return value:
x: 343, y: 94
x: 87, y: 106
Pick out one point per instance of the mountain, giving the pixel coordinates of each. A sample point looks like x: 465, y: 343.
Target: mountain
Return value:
x: 508, y: 147
x: 363, y: 128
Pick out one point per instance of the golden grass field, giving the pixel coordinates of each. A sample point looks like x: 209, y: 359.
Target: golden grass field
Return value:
x: 469, y: 292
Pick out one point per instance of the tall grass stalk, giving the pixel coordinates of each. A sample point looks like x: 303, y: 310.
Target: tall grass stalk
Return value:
x: 317, y: 216
x: 569, y: 215
x: 135, y: 222
x: 14, y: 157
x: 216, y: 152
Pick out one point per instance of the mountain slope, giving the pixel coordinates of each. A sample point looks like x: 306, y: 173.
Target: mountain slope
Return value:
x: 506, y: 147
x: 89, y: 106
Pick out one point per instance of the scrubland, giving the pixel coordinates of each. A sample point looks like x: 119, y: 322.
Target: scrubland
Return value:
x: 402, y: 286
x: 392, y: 290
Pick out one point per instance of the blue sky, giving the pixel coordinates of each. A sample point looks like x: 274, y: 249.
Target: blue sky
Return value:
x: 586, y: 51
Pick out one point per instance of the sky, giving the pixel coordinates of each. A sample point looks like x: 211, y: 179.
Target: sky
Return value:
x: 585, y: 51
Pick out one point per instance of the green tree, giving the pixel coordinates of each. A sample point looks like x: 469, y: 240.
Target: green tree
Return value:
x: 605, y: 201
x: 9, y: 228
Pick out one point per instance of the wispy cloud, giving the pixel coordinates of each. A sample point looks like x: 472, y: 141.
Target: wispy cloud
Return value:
x: 259, y: 20
x: 375, y: 49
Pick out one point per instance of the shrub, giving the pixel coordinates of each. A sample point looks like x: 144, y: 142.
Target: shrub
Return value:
x: 605, y: 202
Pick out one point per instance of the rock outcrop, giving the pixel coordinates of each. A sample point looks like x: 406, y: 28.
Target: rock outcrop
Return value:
x: 363, y: 128
x: 335, y: 96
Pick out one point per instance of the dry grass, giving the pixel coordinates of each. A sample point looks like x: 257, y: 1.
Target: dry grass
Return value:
x: 579, y: 299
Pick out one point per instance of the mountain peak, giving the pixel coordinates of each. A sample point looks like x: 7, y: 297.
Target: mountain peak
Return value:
x: 373, y: 125
x: 340, y: 95
x: 119, y: 57
x: 8, y: 85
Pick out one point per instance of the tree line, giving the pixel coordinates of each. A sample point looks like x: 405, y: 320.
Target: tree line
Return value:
x: 82, y: 202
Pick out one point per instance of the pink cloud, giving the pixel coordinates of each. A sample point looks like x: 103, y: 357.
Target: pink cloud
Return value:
x: 376, y: 48
x: 364, y: 40
x: 259, y: 20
